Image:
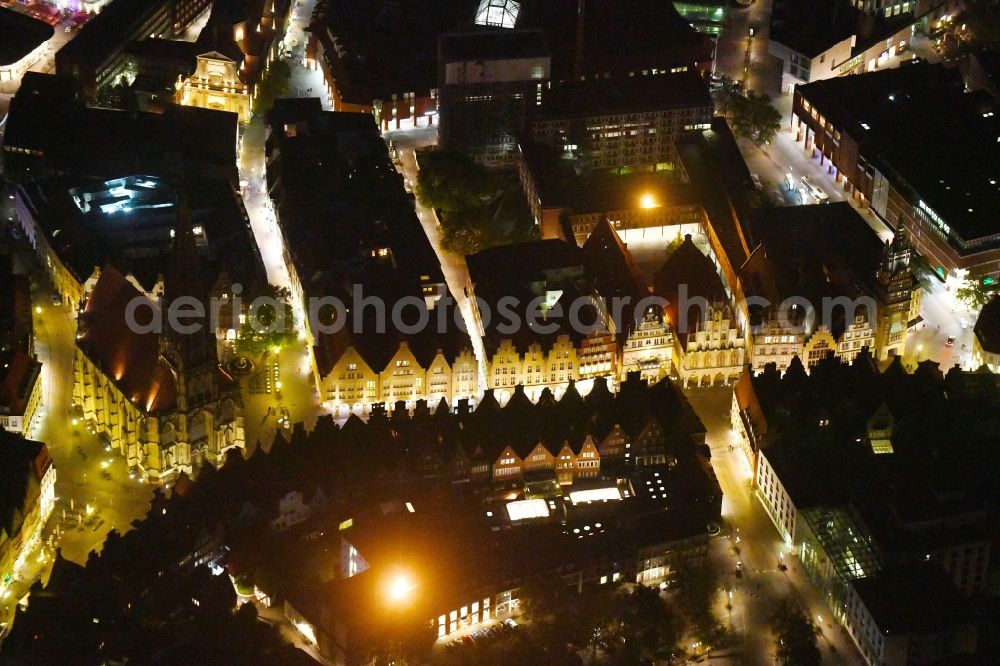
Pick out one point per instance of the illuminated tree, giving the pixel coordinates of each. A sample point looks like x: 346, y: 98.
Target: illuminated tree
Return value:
x: 755, y: 119
x: 269, y: 324
x: 976, y: 294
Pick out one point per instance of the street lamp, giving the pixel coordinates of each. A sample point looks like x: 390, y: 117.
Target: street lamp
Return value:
x: 399, y: 589
x: 648, y: 200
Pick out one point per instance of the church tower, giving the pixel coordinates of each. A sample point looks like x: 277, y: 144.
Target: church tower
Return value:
x: 898, y: 296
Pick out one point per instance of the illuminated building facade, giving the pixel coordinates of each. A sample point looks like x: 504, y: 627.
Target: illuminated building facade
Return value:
x: 25, y: 43
x: 28, y: 477
x: 352, y: 386
x: 649, y: 348
x: 96, y: 57
x: 830, y: 285
x: 163, y: 403
x: 215, y: 84
x: 986, y: 338
x: 631, y: 123
x: 240, y: 41
x: 822, y: 488
x: 940, y: 197
x: 715, y: 351
x: 20, y: 372
x: 489, y: 86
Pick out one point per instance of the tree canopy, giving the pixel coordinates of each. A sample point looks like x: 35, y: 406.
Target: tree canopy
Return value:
x: 616, y: 625
x: 726, y: 94
x: 795, y: 635
x: 975, y: 294
x: 755, y: 119
x: 274, y: 85
x: 269, y: 324
x: 477, y: 208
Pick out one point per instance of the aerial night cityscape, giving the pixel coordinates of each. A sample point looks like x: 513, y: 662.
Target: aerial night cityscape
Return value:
x: 501, y: 332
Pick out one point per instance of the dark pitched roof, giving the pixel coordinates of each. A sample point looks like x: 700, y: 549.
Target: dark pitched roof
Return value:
x: 19, y: 377
x: 720, y: 181
x: 130, y: 359
x: 610, y: 265
x: 21, y: 35
x: 688, y: 272
x: 22, y: 464
x: 987, y: 328
x: 814, y: 252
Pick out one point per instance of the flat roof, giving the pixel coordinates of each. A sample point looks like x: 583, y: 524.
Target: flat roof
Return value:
x: 809, y: 27
x: 21, y: 35
x: 651, y: 33
x: 377, y: 48
x: 105, y: 33
x: 492, y: 44
x: 48, y: 117
x: 131, y: 222
x: 634, y: 94
x: 954, y: 167
x: 913, y: 599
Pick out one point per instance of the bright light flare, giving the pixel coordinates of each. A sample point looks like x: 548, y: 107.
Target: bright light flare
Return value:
x: 400, y: 588
x: 648, y: 200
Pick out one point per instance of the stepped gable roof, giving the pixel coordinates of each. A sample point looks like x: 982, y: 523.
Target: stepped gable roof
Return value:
x: 987, y: 327
x: 131, y: 360
x: 688, y: 272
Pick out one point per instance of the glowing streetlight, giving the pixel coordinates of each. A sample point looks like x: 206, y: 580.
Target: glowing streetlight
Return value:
x: 38, y: 309
x: 648, y: 200
x: 400, y: 588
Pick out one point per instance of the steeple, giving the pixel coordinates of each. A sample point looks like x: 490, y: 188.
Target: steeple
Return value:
x: 192, y: 353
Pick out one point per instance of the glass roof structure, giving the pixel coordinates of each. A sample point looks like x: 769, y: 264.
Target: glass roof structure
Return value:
x: 845, y: 541
x: 499, y: 13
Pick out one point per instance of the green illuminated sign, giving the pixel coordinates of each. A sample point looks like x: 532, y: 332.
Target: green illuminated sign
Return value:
x: 988, y: 280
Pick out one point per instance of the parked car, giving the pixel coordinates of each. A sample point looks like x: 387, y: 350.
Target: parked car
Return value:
x: 56, y: 299
x: 814, y: 190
